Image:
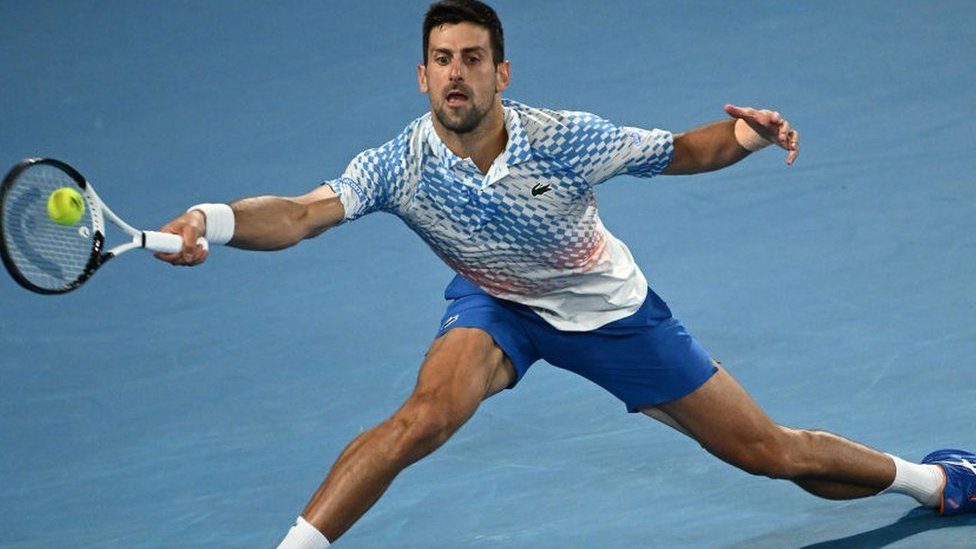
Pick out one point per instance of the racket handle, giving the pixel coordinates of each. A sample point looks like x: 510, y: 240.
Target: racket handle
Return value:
x: 167, y: 243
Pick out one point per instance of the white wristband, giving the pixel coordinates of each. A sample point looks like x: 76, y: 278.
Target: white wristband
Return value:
x: 220, y: 222
x: 748, y: 137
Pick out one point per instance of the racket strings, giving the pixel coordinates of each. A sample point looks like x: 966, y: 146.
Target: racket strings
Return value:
x: 47, y: 255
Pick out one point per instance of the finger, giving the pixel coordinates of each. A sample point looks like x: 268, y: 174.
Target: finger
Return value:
x: 794, y: 147
x: 189, y: 226
x: 190, y: 251
x: 739, y: 112
x: 188, y: 255
x: 189, y: 239
x: 200, y: 255
x: 194, y: 255
x: 168, y: 258
x: 783, y: 134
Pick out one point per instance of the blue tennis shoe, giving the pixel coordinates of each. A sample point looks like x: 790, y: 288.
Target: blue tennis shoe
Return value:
x: 959, y: 487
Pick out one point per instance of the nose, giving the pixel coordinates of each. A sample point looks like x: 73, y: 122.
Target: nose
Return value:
x: 456, y: 72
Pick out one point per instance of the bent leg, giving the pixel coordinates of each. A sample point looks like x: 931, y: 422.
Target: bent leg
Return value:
x: 462, y: 368
x: 725, y: 420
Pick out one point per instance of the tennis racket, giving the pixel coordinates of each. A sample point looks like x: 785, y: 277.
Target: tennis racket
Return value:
x: 49, y: 258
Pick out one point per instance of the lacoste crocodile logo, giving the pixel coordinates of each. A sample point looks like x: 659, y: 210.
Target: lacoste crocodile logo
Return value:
x: 539, y: 189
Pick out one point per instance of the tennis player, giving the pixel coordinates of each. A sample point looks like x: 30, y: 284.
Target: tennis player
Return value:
x: 504, y: 194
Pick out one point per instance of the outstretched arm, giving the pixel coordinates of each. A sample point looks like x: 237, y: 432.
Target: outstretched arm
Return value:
x: 720, y: 144
x: 260, y: 223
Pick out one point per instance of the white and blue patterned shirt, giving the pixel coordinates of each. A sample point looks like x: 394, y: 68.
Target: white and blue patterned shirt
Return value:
x: 528, y: 231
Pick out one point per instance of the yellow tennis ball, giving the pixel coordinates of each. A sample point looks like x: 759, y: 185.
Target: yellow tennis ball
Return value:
x: 65, y: 206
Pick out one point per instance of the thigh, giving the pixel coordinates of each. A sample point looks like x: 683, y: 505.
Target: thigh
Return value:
x: 720, y: 415
x: 725, y: 420
x: 504, y: 326
x: 463, y: 367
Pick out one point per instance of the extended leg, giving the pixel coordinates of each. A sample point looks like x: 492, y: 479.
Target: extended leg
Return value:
x: 462, y: 368
x: 722, y: 417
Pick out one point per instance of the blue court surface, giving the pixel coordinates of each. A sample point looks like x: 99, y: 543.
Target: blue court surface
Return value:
x: 180, y: 408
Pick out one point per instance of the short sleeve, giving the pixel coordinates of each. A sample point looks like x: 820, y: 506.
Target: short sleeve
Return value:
x: 606, y: 150
x: 361, y: 187
x: 374, y: 179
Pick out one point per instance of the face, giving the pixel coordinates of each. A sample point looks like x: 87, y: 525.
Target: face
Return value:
x: 460, y: 77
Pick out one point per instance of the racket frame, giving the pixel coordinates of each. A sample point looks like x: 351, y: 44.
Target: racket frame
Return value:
x: 150, y: 240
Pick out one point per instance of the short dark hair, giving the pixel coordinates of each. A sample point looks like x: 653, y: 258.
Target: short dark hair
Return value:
x: 452, y: 12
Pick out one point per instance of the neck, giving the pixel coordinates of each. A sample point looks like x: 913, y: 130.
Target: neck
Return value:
x: 482, y: 144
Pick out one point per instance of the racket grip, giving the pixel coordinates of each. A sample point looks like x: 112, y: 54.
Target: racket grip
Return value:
x: 167, y: 243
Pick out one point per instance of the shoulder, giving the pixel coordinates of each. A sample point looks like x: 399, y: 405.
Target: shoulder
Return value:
x: 559, y: 129
x: 546, y: 119
x: 378, y: 178
x: 593, y: 146
x: 575, y: 140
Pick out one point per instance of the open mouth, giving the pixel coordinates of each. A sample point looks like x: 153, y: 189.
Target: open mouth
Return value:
x: 456, y: 98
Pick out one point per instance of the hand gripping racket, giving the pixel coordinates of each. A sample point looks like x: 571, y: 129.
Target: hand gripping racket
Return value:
x: 49, y: 258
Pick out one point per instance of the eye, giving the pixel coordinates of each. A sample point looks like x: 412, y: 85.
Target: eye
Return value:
x: 441, y: 60
x: 473, y: 60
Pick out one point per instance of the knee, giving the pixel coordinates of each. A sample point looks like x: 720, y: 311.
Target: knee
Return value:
x: 420, y: 427
x: 775, y: 455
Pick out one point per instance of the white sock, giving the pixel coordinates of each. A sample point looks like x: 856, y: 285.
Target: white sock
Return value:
x: 303, y: 536
x: 923, y: 482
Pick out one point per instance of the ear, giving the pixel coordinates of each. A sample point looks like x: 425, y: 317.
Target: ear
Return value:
x: 503, y: 75
x: 422, y: 78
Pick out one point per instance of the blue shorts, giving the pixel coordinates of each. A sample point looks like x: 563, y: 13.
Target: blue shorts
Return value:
x: 645, y: 359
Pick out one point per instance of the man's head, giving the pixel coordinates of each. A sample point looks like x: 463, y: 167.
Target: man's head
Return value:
x: 452, y: 12
x: 464, y: 71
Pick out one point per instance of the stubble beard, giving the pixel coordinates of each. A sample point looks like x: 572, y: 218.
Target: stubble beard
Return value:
x: 468, y: 120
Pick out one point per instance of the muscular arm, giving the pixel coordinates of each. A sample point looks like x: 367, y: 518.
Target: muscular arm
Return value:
x: 274, y: 222
x: 705, y: 149
x: 717, y: 145
x: 261, y: 223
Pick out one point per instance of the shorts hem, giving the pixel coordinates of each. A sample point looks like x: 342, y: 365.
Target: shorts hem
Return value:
x: 633, y: 409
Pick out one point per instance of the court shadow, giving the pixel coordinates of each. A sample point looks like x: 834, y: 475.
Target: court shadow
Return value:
x: 914, y: 522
